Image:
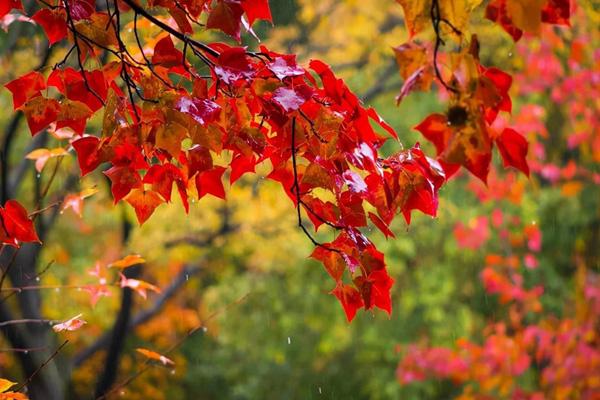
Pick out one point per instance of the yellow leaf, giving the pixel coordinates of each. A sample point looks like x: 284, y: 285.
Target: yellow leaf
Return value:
x: 5, y: 384
x: 457, y: 13
x: 526, y: 14
x: 41, y: 156
x: 416, y: 15
x: 99, y: 29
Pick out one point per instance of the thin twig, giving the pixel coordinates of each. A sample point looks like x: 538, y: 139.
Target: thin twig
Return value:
x: 30, y: 378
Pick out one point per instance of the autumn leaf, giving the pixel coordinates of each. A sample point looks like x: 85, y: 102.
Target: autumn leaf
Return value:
x: 123, y: 180
x: 53, y: 21
x: 152, y: 355
x: 210, y: 182
x: 513, y: 148
x: 72, y: 324
x: 41, y: 156
x: 350, y: 299
x: 40, y: 112
x: 257, y: 9
x: 25, y: 87
x: 127, y: 261
x: 17, y: 224
x: 144, y: 202
x: 8, y: 5
x: 5, y: 384
x: 74, y: 201
x: 88, y: 154
x: 141, y: 287
x: 226, y: 16
x: 290, y: 99
x: 285, y: 67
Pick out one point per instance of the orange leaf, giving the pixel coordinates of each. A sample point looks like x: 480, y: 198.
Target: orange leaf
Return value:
x: 128, y: 261
x: 144, y: 202
x: 152, y: 355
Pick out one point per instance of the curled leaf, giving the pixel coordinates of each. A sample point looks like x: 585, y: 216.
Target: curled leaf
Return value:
x: 70, y: 325
x: 152, y: 355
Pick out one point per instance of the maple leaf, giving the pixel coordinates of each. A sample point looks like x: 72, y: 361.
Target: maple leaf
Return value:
x: 291, y: 99
x: 88, y: 87
x: 152, y: 355
x: 97, y: 27
x: 202, y: 111
x: 199, y: 160
x: 375, y: 290
x: 241, y: 165
x: 41, y: 156
x: 141, y: 287
x: 16, y: 224
x: 226, y: 16
x: 381, y: 225
x: 124, y: 179
x: 127, y: 261
x: 82, y: 9
x: 165, y: 53
x: 350, y: 299
x: 72, y: 324
x: 97, y: 292
x: 53, y: 21
x: 7, y: 5
x: 459, y: 139
x: 513, y: 149
x: 285, y: 67
x: 88, y: 154
x: 144, y: 203
x: 40, y: 112
x: 416, y: 15
x: 496, y: 12
x: 25, y: 87
x: 74, y: 201
x: 233, y: 65
x: 209, y: 182
x: 257, y: 9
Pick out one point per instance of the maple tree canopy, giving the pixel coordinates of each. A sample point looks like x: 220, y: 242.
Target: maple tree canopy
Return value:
x: 176, y: 110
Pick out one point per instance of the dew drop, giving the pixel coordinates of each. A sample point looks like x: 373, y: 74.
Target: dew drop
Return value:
x: 320, y: 391
x: 172, y: 372
x: 38, y: 176
x: 37, y: 278
x: 204, y: 329
x: 289, y: 340
x: 187, y: 277
x: 26, y: 352
x: 510, y: 54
